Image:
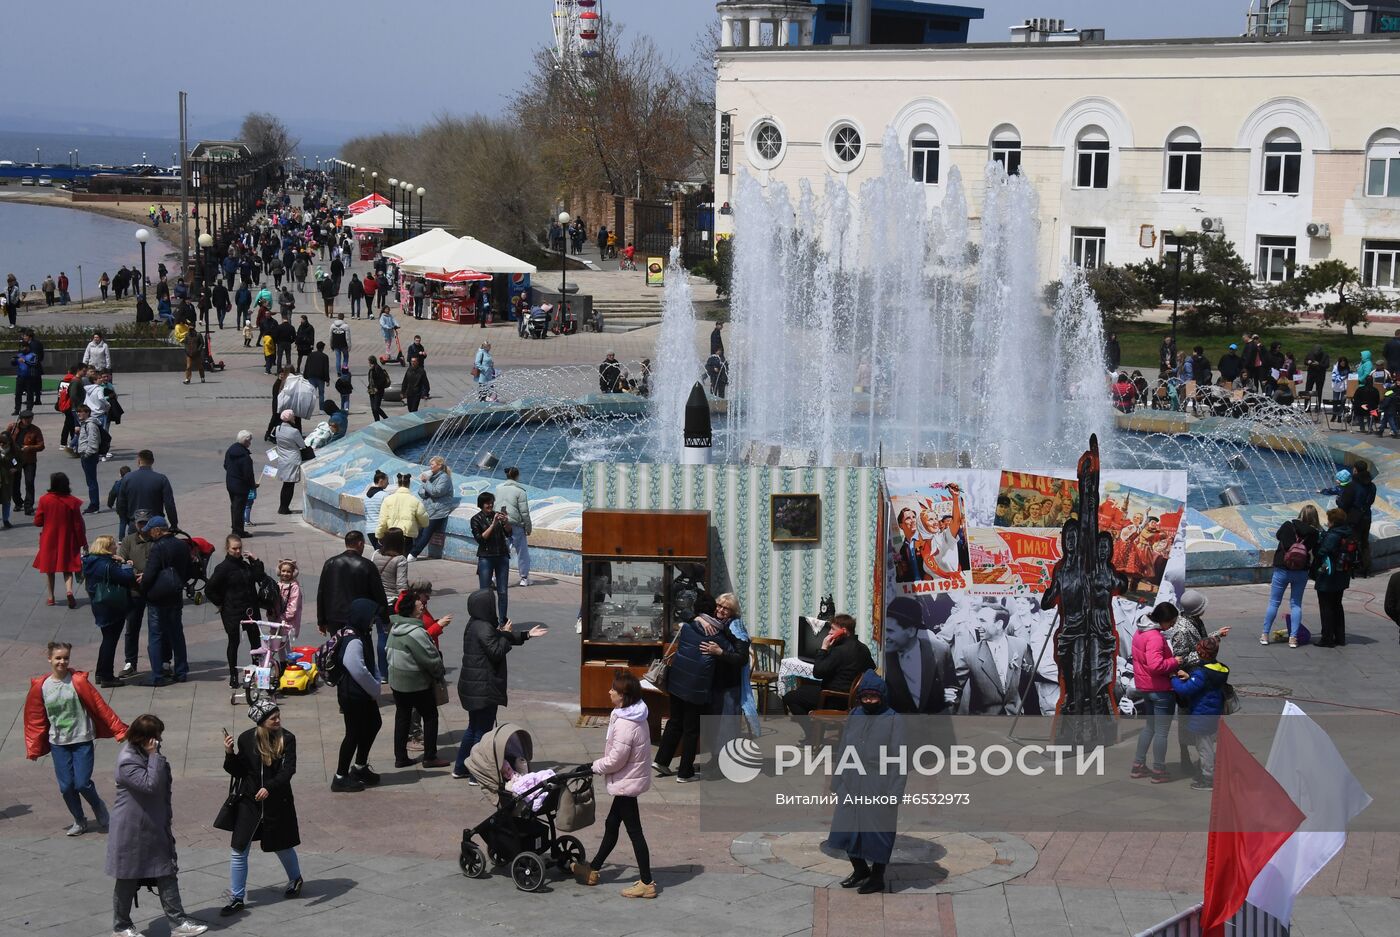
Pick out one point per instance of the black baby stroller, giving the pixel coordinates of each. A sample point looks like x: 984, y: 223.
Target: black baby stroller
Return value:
x: 538, y: 324
x: 200, y: 551
x: 523, y: 833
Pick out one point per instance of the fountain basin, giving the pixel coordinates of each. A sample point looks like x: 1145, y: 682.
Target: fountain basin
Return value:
x: 1224, y: 545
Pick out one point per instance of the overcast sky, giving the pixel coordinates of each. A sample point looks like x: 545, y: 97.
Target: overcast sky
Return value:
x: 333, y: 70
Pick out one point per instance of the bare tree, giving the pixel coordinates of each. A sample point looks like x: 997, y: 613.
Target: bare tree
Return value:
x: 267, y: 136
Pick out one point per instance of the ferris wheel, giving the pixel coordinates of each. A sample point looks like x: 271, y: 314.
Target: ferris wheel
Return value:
x: 577, y: 27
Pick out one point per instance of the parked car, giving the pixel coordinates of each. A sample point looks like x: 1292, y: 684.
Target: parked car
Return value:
x: 46, y: 180
x: 26, y: 180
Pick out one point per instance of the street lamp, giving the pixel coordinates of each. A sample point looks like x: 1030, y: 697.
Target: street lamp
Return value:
x: 407, y: 205
x: 1180, y: 233
x: 374, y: 181
x: 564, y: 219
x: 142, y: 235
x: 421, y: 191
x: 206, y: 241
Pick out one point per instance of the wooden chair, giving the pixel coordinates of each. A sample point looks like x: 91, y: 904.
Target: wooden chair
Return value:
x: 765, y: 656
x: 826, y: 719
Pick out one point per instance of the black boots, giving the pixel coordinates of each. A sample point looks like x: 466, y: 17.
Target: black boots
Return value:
x: 876, y: 882
x: 859, y: 873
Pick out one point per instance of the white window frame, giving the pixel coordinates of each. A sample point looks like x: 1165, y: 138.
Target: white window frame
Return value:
x: 1088, y: 244
x: 1384, y: 154
x: 1100, y: 157
x: 925, y: 143
x: 1183, y: 146
x: 1270, y: 248
x: 1374, y: 254
x: 1283, y: 143
x: 1007, y: 151
x: 752, y: 143
x: 837, y: 130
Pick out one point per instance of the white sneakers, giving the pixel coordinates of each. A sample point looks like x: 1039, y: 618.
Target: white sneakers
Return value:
x: 189, y: 928
x: 78, y: 828
x: 523, y: 583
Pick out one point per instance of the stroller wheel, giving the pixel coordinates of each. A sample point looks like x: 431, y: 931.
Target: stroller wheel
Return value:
x: 472, y: 861
x: 527, y: 871
x: 566, y: 851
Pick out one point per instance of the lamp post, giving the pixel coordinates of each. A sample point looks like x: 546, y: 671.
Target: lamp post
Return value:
x: 206, y: 241
x: 1180, y: 233
x: 407, y: 205
x: 374, y: 181
x: 142, y: 236
x: 421, y: 192
x: 564, y: 219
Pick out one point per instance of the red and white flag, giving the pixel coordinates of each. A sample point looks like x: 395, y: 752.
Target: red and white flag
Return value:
x: 1310, y: 769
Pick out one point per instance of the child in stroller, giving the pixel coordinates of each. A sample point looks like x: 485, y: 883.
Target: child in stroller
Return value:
x: 524, y: 830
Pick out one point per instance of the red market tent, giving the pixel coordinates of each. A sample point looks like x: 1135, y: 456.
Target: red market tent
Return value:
x: 365, y: 204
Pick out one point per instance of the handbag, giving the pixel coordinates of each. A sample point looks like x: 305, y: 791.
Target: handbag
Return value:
x: 227, y: 816
x: 440, y: 692
x: 307, y: 453
x: 1231, y: 702
x: 476, y: 372
x: 656, y: 673
x: 577, y: 805
x: 112, y: 596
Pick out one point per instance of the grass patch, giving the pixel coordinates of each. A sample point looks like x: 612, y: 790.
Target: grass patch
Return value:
x: 7, y: 385
x: 116, y: 334
x: 1140, y: 341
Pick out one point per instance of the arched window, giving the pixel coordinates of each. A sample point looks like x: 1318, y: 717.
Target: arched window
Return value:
x: 1383, y: 165
x: 1006, y: 149
x: 1183, y: 161
x: 1091, y: 152
x: 923, y: 155
x: 1283, y: 163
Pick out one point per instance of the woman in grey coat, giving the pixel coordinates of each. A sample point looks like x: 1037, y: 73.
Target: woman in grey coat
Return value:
x: 141, y: 841
x: 289, y: 446
x: 438, y: 500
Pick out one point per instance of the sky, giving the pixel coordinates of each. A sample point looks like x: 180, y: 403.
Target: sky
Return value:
x: 335, y: 70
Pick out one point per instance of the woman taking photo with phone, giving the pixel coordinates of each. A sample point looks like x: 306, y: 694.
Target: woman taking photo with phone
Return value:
x: 262, y: 765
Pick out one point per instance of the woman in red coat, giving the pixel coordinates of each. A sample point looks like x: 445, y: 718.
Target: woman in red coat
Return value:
x: 62, y: 535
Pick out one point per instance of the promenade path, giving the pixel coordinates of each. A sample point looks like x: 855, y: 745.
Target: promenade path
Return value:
x: 384, y: 862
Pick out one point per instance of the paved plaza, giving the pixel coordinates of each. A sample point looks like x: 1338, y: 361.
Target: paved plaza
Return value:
x: 384, y: 862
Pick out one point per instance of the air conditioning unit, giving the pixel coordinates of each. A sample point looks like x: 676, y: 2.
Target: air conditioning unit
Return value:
x: 1213, y: 225
x: 1319, y: 229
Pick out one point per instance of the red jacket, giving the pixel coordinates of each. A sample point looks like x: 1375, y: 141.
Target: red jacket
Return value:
x: 105, y: 723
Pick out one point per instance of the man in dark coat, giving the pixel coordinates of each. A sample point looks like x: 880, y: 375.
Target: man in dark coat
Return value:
x: 1112, y: 352
x: 918, y: 664
x: 165, y: 599
x: 220, y: 299
x: 148, y: 490
x: 840, y: 662
x: 1231, y: 365
x: 317, y: 370
x: 239, y: 479
x: 285, y: 336
x: 1318, y: 363
x: 346, y: 577
x: 481, y: 688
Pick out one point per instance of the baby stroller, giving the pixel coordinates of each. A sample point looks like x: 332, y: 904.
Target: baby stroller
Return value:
x: 523, y: 837
x: 538, y: 324
x: 209, y: 363
x: 200, y: 551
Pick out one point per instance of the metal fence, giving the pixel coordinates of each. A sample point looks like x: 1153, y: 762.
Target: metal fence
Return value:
x: 1248, y: 921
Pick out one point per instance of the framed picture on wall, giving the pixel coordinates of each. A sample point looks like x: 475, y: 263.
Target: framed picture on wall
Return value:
x: 796, y: 518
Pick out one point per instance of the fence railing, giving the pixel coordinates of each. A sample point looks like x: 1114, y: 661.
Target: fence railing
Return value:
x: 1248, y: 921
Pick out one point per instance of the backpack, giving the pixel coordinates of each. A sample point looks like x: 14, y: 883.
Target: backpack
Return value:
x: 1349, y: 556
x: 63, y: 403
x: 269, y: 594
x: 1297, y: 555
x: 330, y: 657
x: 104, y: 440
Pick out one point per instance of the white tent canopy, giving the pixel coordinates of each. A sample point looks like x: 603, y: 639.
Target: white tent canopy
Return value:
x: 466, y: 253
x: 380, y: 217
x: 427, y: 241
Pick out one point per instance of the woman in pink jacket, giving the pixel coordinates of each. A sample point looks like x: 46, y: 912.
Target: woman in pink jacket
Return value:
x: 626, y: 763
x: 1153, y: 666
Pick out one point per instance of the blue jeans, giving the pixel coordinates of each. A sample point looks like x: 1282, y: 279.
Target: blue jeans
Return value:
x: 1158, y: 708
x: 1285, y: 578
x: 520, y: 543
x: 90, y: 473
x: 381, y: 649
x: 167, y: 627
x: 498, y: 567
x: 111, y: 624
x: 238, y: 869
x: 73, y: 766
x: 320, y: 386
x: 479, y: 722
x: 420, y: 543
x: 342, y: 359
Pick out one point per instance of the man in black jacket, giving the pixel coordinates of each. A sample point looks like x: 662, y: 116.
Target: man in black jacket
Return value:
x: 839, y: 664
x: 416, y: 350
x: 233, y: 587
x: 1231, y: 365
x: 285, y: 336
x: 149, y: 490
x: 239, y: 479
x: 317, y: 370
x: 163, y: 584
x: 918, y: 664
x: 344, y: 578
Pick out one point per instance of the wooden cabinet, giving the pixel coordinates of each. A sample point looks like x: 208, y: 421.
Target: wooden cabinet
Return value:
x: 641, y: 573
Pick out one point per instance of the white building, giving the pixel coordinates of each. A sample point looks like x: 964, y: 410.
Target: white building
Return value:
x: 1286, y: 144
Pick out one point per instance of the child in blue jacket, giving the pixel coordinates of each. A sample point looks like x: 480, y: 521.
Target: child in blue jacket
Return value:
x: 1202, y: 695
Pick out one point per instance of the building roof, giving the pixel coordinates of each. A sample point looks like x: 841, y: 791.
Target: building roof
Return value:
x: 1051, y: 48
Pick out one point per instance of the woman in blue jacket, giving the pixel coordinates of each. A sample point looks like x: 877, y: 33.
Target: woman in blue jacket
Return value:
x: 701, y: 645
